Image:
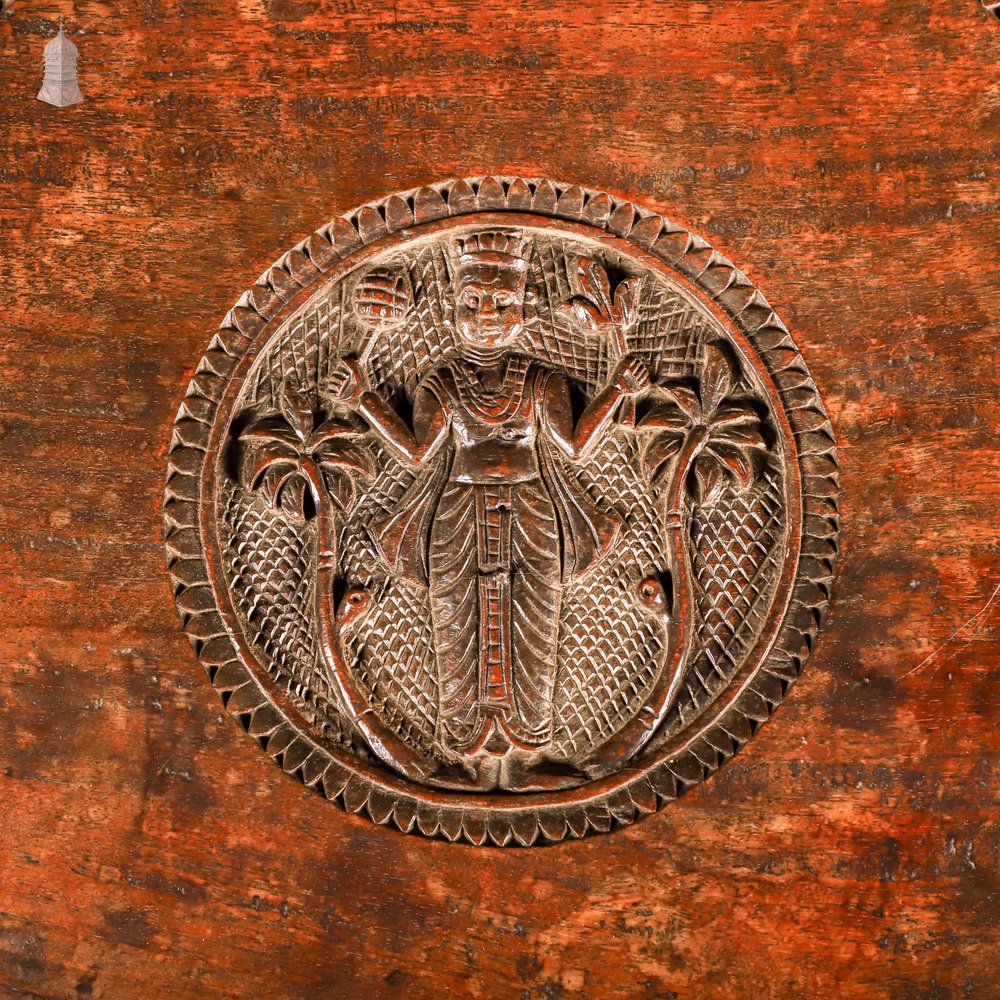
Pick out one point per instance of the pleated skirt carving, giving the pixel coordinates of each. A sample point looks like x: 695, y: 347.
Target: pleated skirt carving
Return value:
x: 495, y: 590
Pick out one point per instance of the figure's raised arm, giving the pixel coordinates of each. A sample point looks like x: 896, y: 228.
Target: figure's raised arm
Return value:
x: 413, y: 445
x: 629, y: 379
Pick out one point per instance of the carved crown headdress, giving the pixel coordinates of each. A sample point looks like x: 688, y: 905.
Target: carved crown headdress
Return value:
x: 506, y: 248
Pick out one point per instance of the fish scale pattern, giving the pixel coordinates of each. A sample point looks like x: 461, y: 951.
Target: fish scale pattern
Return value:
x: 303, y: 351
x: 737, y: 554
x: 393, y: 656
x: 610, y: 647
x: 613, y: 478
x: 271, y: 578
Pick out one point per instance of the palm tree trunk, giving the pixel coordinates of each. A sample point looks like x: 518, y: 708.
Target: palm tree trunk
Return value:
x: 636, y: 734
x: 677, y: 539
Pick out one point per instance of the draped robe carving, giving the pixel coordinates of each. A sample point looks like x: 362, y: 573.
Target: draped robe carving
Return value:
x: 496, y: 533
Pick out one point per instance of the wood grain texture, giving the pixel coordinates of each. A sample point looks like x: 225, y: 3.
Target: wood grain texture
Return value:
x: 846, y: 155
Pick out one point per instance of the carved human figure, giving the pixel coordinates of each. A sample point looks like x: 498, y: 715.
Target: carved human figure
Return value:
x: 495, y: 528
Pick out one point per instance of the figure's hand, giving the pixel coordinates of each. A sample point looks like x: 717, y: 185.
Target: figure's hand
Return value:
x: 348, y: 382
x: 631, y: 376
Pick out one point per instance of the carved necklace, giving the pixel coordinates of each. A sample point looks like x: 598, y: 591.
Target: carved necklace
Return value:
x: 493, y: 404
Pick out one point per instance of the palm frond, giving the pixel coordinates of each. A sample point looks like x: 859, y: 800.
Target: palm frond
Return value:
x: 278, y: 458
x: 340, y: 486
x: 667, y: 417
x: 732, y: 413
x: 716, y: 378
x: 330, y: 430
x: 341, y: 454
x: 710, y: 480
x: 290, y: 493
x: 740, y: 437
x: 660, y: 451
x: 686, y: 398
x: 270, y: 428
x: 297, y: 410
x: 736, y: 461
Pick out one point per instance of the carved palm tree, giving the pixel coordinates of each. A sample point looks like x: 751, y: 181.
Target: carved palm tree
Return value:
x: 306, y: 464
x: 302, y: 460
x: 701, y: 437
x: 698, y: 438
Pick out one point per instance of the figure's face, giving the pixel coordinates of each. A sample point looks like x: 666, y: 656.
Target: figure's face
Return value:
x: 489, y: 306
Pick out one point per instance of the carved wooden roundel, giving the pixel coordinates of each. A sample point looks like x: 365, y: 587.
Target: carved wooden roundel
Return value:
x: 502, y: 510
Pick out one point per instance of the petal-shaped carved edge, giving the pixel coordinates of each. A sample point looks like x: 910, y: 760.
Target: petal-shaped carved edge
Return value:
x: 284, y: 738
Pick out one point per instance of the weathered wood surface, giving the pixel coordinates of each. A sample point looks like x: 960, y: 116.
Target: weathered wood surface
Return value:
x: 845, y: 154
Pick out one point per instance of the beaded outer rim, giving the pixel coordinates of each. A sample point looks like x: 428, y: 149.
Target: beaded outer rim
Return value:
x: 411, y: 808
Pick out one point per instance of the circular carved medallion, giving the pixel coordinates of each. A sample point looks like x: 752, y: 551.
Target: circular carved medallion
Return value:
x: 502, y: 510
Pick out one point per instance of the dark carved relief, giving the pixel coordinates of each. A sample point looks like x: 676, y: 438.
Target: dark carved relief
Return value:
x: 514, y: 526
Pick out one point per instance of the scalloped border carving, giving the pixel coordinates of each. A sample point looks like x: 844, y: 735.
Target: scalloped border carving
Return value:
x: 731, y: 719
